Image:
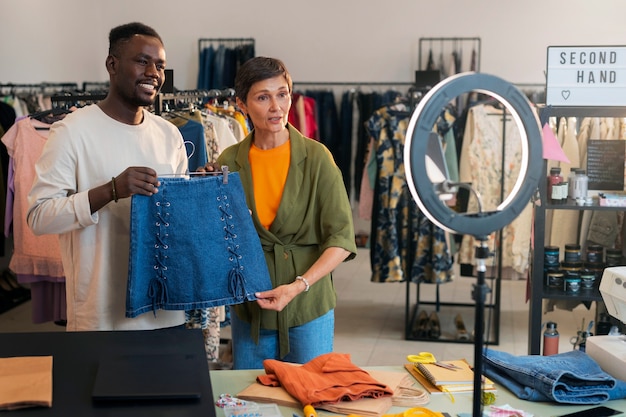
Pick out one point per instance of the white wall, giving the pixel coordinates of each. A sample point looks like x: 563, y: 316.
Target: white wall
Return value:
x: 320, y: 40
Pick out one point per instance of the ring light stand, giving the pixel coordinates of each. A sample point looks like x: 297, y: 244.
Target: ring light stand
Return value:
x: 427, y: 180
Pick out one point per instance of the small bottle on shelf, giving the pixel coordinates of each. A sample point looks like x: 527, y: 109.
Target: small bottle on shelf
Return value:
x: 554, y: 178
x: 571, y: 181
x: 581, y: 183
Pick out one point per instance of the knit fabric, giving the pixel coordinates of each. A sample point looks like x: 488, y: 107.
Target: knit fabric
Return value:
x: 329, y: 378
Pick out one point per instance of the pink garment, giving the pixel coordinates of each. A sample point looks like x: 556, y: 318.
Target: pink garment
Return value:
x: 33, y: 255
x: 302, y: 115
x: 310, y: 114
x: 296, y: 112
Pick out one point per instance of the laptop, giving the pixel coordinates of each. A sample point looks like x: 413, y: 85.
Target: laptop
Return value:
x: 149, y: 377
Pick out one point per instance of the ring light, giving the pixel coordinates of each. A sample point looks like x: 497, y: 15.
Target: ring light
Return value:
x: 416, y: 154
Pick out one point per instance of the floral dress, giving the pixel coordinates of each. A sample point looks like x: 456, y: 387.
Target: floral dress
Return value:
x: 405, y: 244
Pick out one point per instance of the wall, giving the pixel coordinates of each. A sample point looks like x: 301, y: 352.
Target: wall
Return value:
x: 321, y: 40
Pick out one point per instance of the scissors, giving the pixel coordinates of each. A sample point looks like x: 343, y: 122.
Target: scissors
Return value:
x: 427, y: 357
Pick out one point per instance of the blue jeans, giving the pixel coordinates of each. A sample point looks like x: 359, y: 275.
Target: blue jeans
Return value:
x: 570, y: 378
x: 306, y: 342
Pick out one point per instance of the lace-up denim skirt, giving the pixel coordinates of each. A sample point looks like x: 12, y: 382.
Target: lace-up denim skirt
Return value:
x: 193, y: 245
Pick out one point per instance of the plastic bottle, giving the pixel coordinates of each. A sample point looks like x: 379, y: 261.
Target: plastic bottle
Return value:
x: 571, y: 181
x: 550, y: 339
x: 581, y: 183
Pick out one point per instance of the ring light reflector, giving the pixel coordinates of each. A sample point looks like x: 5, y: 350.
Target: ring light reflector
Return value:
x: 416, y: 154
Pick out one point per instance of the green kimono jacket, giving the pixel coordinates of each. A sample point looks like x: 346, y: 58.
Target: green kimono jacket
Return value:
x: 314, y: 214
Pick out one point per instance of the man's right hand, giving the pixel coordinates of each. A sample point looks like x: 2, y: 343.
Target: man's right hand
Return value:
x: 133, y: 180
x: 136, y: 180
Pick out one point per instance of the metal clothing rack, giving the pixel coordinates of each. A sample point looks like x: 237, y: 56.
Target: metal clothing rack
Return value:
x: 45, y: 87
x: 220, y: 58
x: 355, y: 83
x: 230, y: 42
x: 96, y: 86
x: 449, y: 42
x: 496, y: 285
x: 189, y: 96
x: 68, y: 99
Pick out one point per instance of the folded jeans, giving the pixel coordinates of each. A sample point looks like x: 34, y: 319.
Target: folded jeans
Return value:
x: 570, y: 378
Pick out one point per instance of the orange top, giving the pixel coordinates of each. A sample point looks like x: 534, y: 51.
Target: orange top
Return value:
x: 269, y: 174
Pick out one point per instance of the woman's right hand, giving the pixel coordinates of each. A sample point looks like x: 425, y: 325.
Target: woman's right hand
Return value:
x: 277, y: 299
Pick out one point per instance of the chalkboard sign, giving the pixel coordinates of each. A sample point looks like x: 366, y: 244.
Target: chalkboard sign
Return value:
x: 605, y: 164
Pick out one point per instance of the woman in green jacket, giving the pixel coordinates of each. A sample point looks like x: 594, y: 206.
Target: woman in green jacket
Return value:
x: 302, y: 214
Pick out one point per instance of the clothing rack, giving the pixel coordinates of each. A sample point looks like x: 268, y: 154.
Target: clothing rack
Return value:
x: 357, y: 83
x: 496, y: 284
x: 12, y: 88
x: 353, y: 85
x: 450, y: 42
x: 96, y: 85
x: 191, y: 97
x: 230, y: 42
x: 68, y: 99
x: 219, y: 60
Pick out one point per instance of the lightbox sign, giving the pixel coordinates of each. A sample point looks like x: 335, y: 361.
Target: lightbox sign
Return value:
x: 586, y: 76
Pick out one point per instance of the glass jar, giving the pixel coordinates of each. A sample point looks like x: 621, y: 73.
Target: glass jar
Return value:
x: 572, y: 285
x: 551, y: 256
x: 572, y: 252
x: 554, y: 279
x: 595, y: 253
x: 581, y: 183
x: 596, y: 268
x: 587, y: 280
x: 613, y: 257
x: 554, y: 178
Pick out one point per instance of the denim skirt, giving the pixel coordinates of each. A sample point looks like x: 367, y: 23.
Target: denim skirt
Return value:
x: 193, y: 245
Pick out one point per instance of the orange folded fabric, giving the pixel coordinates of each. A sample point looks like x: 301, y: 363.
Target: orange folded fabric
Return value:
x: 329, y: 378
x: 25, y: 382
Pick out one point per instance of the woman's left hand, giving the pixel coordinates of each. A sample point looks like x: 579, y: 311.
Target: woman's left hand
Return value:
x: 277, y: 298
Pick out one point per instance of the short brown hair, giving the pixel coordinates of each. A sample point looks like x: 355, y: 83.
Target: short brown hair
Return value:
x: 258, y: 69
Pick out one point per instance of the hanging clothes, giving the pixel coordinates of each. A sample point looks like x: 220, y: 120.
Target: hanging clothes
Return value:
x: 7, y: 119
x: 193, y: 135
x: 405, y: 244
x: 219, y: 60
x: 303, y: 115
x: 481, y: 161
x: 565, y: 230
x: 36, y: 260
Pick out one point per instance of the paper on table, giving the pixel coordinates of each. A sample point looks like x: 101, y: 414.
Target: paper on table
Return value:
x: 25, y: 381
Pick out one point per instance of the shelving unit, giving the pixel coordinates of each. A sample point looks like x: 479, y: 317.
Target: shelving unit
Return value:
x: 538, y: 292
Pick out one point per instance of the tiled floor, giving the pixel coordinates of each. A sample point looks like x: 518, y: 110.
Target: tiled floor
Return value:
x: 370, y: 318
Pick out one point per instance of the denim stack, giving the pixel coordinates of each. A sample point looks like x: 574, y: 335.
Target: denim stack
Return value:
x: 569, y: 378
